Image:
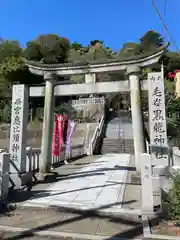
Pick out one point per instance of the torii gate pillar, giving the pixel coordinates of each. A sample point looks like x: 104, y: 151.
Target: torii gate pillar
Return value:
x: 48, y: 120
x: 136, y: 110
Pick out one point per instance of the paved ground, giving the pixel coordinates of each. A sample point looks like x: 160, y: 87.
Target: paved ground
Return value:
x: 79, y: 225
x: 68, y: 222
x: 132, y: 194
x: 100, y: 184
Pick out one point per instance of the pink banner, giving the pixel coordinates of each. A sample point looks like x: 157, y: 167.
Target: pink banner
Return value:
x: 70, y: 131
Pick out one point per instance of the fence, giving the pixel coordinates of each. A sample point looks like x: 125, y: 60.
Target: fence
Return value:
x: 32, y: 165
x: 33, y: 157
x: 89, y: 109
x: 81, y: 102
x: 96, y: 135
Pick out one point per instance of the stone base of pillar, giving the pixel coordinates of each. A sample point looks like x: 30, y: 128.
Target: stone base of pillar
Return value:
x: 49, y: 177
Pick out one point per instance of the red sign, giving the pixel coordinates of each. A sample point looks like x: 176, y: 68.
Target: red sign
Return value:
x: 55, y: 141
x: 61, y: 122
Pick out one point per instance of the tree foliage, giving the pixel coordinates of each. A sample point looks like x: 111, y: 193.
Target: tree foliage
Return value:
x: 9, y: 49
x: 48, y: 49
x: 130, y: 49
x: 150, y: 41
x: 172, y: 202
x: 52, y: 49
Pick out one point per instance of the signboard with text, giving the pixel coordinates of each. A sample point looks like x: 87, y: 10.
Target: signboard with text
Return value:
x: 18, y: 134
x: 157, y: 118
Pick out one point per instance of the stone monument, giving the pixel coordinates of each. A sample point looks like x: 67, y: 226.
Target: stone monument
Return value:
x: 18, y: 133
x: 157, y: 119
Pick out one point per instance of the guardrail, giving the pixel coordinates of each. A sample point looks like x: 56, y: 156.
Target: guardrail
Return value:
x: 96, y: 135
x: 87, y: 101
x: 33, y: 157
x: 32, y: 164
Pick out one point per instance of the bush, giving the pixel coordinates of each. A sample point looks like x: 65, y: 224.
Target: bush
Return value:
x: 173, y: 127
x: 173, y: 199
x: 66, y: 108
x: 6, y: 114
x: 75, y: 114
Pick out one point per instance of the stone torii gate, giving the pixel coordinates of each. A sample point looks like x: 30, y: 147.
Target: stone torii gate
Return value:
x: 90, y: 69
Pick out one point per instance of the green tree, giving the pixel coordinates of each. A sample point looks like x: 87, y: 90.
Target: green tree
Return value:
x: 11, y: 64
x: 10, y: 58
x: 171, y: 61
x: 173, y: 115
x: 66, y: 108
x: 150, y: 41
x: 13, y: 69
x: 9, y: 49
x: 94, y: 42
x: 76, y: 46
x: 130, y: 49
x: 96, y: 52
x: 48, y: 49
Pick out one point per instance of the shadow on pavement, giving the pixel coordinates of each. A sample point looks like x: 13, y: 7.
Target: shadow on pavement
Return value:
x: 135, y: 231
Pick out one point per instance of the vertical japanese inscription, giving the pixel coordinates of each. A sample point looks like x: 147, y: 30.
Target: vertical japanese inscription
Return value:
x: 18, y: 134
x: 157, y: 116
x: 16, y: 126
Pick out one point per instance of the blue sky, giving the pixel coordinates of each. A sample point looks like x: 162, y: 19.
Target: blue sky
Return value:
x: 114, y: 21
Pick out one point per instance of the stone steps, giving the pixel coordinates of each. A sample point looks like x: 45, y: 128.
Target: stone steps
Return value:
x: 117, y: 146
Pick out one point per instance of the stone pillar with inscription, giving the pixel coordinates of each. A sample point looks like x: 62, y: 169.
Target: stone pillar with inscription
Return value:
x: 137, y: 118
x: 146, y: 183
x: 157, y: 119
x: 46, y: 142
x: 18, y: 133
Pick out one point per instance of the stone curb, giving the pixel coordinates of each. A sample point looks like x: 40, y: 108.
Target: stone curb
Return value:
x: 147, y: 232
x: 64, y: 235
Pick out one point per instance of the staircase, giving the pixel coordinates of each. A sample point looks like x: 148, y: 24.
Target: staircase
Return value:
x: 117, y: 146
x: 118, y: 137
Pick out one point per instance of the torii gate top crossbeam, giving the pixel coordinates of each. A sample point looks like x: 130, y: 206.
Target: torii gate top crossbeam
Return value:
x: 96, y: 66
